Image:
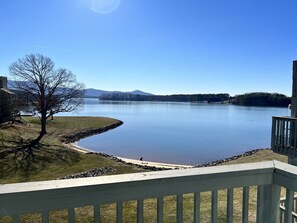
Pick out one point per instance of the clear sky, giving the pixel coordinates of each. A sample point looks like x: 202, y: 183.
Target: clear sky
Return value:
x: 158, y: 46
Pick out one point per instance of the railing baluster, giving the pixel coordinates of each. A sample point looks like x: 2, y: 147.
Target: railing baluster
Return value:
x: 45, y: 217
x: 273, y: 129
x: 294, y: 135
x: 196, y: 207
x: 282, y: 137
x: 289, y: 206
x: 119, y: 212
x: 96, y: 213
x: 268, y: 202
x: 245, y: 205
x: 179, y: 208
x: 140, y: 211
x: 289, y: 131
x: 292, y: 141
x: 281, y: 220
x: 285, y: 131
x: 284, y: 140
x: 289, y: 136
x: 295, y: 204
x: 277, y: 136
x: 160, y: 209
x: 260, y: 203
x: 214, y: 206
x: 230, y: 205
x: 280, y: 123
x: 287, y: 145
x: 71, y: 215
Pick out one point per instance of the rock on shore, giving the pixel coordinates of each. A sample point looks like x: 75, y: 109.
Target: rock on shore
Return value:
x: 217, y: 162
x: 90, y: 173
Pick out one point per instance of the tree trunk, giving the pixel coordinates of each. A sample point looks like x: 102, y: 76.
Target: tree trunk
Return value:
x: 42, y: 132
x: 35, y: 142
x: 43, y: 124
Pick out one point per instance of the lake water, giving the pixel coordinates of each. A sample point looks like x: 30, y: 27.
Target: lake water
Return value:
x: 182, y: 133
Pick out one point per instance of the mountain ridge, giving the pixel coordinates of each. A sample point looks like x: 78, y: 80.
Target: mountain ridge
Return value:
x: 92, y: 92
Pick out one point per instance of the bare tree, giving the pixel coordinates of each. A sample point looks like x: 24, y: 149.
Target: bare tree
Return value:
x: 48, y: 90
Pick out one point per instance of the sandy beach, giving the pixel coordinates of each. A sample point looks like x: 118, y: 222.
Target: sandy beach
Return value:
x: 154, y: 164
x: 75, y: 147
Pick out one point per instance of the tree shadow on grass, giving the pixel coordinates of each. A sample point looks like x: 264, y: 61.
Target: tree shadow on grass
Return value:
x: 26, y: 160
x: 16, y: 145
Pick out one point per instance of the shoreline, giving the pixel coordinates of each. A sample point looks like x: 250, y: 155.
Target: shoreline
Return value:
x: 89, y: 132
x: 155, y: 164
x: 143, y: 163
x: 159, y: 165
x: 70, y: 142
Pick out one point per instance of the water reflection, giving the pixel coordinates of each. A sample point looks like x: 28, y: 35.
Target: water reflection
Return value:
x: 185, y: 133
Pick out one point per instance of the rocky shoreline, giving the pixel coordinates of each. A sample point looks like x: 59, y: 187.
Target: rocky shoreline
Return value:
x: 221, y: 161
x: 80, y: 135
x: 90, y: 173
x: 212, y: 163
x: 108, y: 170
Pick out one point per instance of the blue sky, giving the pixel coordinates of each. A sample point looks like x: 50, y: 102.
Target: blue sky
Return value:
x: 158, y: 46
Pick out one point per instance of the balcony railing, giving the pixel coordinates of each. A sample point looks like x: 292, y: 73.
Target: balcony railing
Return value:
x: 265, y: 180
x: 294, y: 209
x: 284, y: 136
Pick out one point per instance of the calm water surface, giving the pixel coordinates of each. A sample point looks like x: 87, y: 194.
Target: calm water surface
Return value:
x: 184, y: 133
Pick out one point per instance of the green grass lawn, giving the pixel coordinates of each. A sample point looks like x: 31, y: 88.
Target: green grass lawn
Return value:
x: 52, y: 160
x: 259, y: 156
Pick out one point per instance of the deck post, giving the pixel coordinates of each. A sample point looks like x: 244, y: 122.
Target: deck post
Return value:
x: 291, y: 159
x: 268, y: 201
x: 294, y: 91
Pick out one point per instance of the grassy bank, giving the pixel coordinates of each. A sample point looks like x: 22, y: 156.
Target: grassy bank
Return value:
x: 51, y: 158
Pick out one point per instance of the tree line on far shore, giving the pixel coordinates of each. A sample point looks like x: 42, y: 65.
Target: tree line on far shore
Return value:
x: 262, y: 99
x: 208, y: 98
x: 249, y: 99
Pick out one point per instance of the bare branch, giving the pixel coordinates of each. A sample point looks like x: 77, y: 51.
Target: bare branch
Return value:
x: 48, y: 91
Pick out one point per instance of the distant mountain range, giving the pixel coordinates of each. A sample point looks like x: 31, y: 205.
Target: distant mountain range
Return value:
x: 92, y: 93
x: 249, y: 99
x: 95, y: 93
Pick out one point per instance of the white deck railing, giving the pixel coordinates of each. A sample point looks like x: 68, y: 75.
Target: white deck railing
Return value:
x: 284, y: 136
x: 268, y: 177
x: 294, y: 209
